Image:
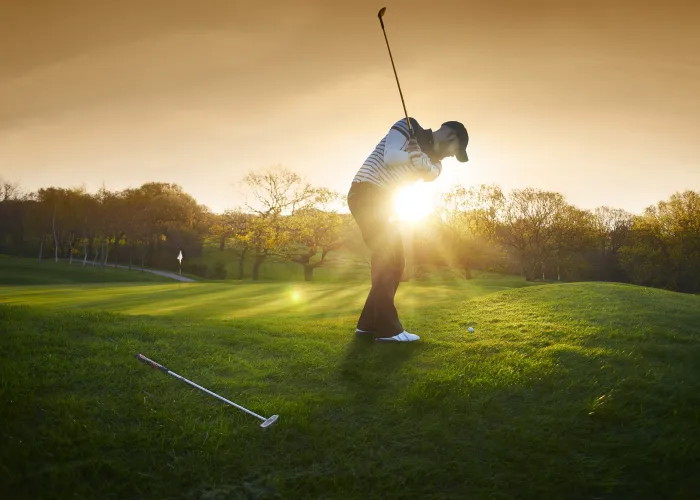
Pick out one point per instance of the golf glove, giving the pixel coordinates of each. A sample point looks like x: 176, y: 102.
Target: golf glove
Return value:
x: 419, y: 159
x: 412, y: 145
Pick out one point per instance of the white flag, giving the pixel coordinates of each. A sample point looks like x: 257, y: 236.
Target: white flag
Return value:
x: 179, y: 257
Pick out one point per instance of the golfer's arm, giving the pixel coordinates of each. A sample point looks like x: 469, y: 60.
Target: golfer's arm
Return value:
x: 395, y: 155
x: 394, y: 152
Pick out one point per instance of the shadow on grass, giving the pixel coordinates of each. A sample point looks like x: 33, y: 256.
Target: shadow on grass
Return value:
x: 369, y: 366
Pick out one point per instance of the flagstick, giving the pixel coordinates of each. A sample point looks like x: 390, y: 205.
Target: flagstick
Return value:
x: 179, y: 260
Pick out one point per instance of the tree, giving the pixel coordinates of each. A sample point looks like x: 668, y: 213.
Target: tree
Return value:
x: 664, y: 244
x: 10, y: 191
x: 13, y: 207
x: 168, y: 220
x: 278, y: 193
x: 573, y: 232
x: 471, y: 218
x: 613, y: 227
x: 53, y: 215
x: 317, y: 227
x: 237, y: 225
x: 528, y: 227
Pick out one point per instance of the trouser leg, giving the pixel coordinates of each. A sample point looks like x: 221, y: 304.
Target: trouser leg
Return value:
x: 383, y: 239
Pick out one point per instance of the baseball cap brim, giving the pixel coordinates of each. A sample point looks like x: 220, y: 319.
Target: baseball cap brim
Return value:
x: 463, y: 137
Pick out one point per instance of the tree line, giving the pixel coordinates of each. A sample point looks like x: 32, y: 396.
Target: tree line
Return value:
x: 539, y: 235
x: 149, y: 225
x: 530, y: 232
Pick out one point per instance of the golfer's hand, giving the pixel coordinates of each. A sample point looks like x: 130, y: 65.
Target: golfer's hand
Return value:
x: 412, y: 146
x: 419, y: 159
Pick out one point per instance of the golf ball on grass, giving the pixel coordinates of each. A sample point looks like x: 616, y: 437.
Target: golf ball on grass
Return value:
x: 470, y: 330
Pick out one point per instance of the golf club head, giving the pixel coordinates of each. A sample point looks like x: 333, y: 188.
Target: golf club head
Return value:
x: 381, y: 12
x: 267, y: 423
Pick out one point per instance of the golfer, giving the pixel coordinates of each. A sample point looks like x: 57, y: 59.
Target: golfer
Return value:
x: 402, y: 157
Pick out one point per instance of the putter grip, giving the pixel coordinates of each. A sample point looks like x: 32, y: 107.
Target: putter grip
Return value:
x: 144, y: 359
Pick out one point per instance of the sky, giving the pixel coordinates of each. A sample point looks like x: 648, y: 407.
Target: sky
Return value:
x: 597, y: 100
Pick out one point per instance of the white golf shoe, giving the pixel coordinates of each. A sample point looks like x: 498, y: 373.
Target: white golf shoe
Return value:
x: 401, y: 337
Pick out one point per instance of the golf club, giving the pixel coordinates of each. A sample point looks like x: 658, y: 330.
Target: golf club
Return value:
x: 266, y: 421
x: 381, y: 21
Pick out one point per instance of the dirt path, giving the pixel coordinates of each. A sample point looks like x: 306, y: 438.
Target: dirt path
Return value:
x: 167, y: 274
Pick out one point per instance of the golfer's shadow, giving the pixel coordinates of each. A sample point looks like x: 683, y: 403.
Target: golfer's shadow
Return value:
x: 371, y: 367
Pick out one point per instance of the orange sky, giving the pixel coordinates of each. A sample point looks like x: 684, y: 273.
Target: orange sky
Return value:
x: 598, y: 100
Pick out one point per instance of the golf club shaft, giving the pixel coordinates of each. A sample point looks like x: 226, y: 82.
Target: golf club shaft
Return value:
x: 381, y: 21
x: 143, y: 358
x: 216, y: 396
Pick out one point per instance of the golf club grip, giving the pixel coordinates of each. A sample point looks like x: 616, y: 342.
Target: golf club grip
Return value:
x: 144, y: 359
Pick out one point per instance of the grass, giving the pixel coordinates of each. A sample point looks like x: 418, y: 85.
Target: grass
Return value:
x: 16, y: 271
x: 256, y: 301
x: 564, y: 391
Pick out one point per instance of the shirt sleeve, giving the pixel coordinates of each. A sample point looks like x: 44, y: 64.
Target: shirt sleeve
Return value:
x: 395, y: 154
x: 395, y: 149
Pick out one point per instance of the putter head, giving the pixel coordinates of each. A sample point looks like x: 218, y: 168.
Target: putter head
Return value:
x: 267, y: 423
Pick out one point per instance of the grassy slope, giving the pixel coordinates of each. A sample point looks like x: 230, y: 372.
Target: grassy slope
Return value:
x: 15, y: 271
x: 564, y: 391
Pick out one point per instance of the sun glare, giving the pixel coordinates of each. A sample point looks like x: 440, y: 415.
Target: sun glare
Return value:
x: 414, y: 202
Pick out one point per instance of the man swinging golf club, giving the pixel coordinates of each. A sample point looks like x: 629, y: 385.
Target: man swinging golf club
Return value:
x: 397, y: 160
x: 408, y: 153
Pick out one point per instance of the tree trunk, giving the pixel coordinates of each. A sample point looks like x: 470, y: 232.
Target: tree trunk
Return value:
x: 41, y: 248
x: 222, y: 243
x: 91, y: 241
x: 308, y: 272
x: 115, y: 249
x: 85, y: 251
x: 71, y: 240
x: 467, y: 272
x: 55, y: 238
x: 256, y: 266
x: 558, y: 268
x: 105, y: 249
x: 241, y: 262
x: 131, y: 253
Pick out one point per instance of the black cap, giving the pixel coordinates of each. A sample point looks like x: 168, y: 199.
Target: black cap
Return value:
x: 463, y: 137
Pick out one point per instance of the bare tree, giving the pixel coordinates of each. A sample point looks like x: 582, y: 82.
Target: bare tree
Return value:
x: 278, y: 193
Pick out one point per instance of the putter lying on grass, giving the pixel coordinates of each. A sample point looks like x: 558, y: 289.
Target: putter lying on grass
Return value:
x: 266, y: 421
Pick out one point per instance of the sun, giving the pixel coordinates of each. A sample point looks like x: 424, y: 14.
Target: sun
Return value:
x: 414, y: 202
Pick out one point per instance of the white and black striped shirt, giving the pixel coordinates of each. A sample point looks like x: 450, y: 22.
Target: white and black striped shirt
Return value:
x: 389, y: 164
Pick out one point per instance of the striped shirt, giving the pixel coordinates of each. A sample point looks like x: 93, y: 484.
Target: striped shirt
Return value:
x: 389, y: 165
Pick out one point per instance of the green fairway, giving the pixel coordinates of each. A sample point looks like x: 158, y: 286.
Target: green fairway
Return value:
x: 563, y: 391
x: 16, y: 271
x: 262, y: 301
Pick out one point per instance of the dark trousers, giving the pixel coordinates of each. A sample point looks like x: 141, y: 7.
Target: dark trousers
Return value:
x: 371, y: 207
